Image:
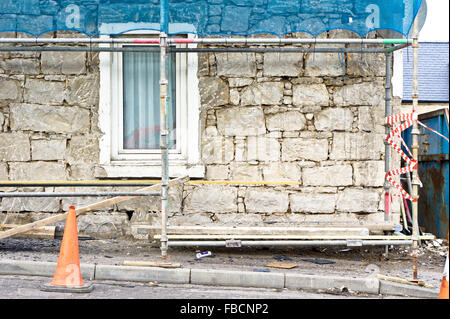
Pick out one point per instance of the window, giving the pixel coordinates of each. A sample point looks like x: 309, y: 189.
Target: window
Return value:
x: 129, y: 113
x: 140, y: 109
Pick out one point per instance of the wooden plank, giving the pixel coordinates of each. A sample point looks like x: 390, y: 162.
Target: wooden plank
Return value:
x: 85, y: 209
x: 150, y: 264
x: 45, y: 232
x: 404, y: 281
x: 281, y: 265
x: 294, y: 237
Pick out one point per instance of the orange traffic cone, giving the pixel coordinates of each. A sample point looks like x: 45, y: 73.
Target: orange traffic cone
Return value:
x: 444, y: 287
x: 67, y: 276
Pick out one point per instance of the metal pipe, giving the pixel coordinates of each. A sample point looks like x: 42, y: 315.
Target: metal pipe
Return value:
x: 387, y: 156
x: 80, y: 49
x: 291, y: 243
x: 245, y: 41
x: 415, y: 149
x: 100, y: 194
x: 191, y: 50
x: 279, y: 49
x: 75, y: 184
x: 164, y: 131
x: 398, y: 47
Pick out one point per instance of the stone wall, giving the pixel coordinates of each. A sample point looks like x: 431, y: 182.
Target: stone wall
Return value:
x: 313, y: 118
x: 316, y: 119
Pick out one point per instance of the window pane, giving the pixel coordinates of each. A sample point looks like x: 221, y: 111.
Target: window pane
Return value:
x: 141, y: 102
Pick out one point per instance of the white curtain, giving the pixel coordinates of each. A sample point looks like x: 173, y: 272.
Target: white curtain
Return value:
x: 141, y: 103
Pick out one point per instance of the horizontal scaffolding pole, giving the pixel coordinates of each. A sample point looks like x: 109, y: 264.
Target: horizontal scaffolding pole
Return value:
x: 195, y: 50
x: 77, y: 183
x: 100, y: 194
x: 291, y: 243
x: 130, y: 183
x: 244, y: 41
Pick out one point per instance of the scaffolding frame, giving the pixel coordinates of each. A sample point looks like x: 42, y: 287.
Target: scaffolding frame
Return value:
x: 276, y: 45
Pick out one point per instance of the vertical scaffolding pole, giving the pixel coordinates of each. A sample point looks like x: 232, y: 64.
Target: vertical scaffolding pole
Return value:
x: 164, y: 131
x: 387, y: 158
x: 415, y: 148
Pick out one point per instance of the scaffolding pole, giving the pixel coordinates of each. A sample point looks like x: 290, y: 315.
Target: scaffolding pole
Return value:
x: 415, y: 148
x: 164, y: 26
x: 218, y: 41
x: 387, y: 148
x: 195, y: 50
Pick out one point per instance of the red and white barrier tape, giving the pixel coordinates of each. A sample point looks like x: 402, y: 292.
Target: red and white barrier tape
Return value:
x: 434, y: 131
x: 409, y: 120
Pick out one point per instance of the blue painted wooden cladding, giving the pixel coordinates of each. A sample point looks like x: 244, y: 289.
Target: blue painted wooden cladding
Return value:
x: 433, y: 72
x: 208, y: 17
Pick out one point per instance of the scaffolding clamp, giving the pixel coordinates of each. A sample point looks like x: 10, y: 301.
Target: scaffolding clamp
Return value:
x: 233, y: 243
x: 354, y: 243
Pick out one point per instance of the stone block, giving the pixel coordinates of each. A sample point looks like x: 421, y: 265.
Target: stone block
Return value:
x: 286, y: 121
x: 152, y: 203
x: 14, y: 147
x: 3, y: 172
x: 359, y: 94
x: 367, y: 64
x: 48, y: 150
x: 84, y: 90
x: 283, y: 172
x: 30, y: 204
x: 370, y: 173
x: 266, y: 201
x: 211, y: 198
x: 217, y: 150
x: 336, y: 175
x: 283, y: 64
x: 334, y: 119
x: 264, y: 93
x: 83, y: 149
x: 263, y: 149
x: 44, y: 92
x: 239, y: 82
x: 38, y: 171
x: 217, y: 172
x: 213, y: 92
x: 357, y: 146
x: 10, y: 90
x: 241, y: 121
x: 245, y: 172
x: 63, y: 62
x: 353, y: 200
x: 312, y: 203
x: 236, y: 65
x: 324, y: 64
x: 103, y: 224
x: 310, y: 95
x: 294, y: 149
x: 20, y: 66
x: 45, y: 118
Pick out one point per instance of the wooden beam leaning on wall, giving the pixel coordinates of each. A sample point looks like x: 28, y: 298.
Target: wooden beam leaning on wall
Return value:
x: 85, y: 209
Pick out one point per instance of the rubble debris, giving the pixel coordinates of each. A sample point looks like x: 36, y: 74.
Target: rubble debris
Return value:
x: 319, y: 261
x: 204, y: 254
x: 281, y: 258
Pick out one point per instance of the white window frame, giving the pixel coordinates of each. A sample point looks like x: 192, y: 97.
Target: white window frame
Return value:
x: 117, y: 162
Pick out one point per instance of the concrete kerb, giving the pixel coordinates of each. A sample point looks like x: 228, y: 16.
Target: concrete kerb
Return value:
x: 233, y: 278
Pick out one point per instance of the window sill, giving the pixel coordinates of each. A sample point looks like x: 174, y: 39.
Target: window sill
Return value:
x: 145, y: 170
